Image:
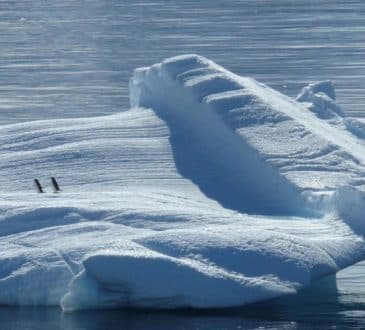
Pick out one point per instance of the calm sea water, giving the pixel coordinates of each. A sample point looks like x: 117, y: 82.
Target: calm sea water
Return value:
x: 73, y: 58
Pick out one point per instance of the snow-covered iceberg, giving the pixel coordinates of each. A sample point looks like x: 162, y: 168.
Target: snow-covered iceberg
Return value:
x: 213, y: 190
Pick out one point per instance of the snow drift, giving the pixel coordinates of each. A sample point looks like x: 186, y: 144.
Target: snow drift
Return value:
x: 213, y: 190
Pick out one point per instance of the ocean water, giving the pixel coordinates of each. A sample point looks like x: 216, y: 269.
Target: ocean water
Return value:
x: 74, y: 58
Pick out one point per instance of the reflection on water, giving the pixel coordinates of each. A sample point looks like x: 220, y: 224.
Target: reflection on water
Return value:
x: 321, y: 307
x: 52, y: 318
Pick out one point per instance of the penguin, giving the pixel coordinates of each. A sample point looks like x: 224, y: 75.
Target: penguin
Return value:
x: 56, y: 187
x: 38, y: 186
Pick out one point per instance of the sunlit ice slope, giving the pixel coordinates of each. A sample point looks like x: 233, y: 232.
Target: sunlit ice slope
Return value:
x: 281, y: 140
x: 213, y: 190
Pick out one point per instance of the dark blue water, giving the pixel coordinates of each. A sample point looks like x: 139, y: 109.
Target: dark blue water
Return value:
x: 73, y: 58
x: 52, y: 318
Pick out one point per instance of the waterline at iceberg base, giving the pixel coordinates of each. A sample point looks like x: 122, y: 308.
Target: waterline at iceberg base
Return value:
x: 211, y: 191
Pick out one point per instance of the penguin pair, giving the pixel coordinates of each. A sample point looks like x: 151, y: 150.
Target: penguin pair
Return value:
x: 56, y: 187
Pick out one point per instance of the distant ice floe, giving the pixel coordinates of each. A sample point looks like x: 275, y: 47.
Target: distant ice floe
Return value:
x: 213, y: 190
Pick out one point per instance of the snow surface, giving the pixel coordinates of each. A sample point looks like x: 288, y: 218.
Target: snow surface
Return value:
x: 213, y: 190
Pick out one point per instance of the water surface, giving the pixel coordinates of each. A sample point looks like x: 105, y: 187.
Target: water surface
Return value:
x: 74, y: 57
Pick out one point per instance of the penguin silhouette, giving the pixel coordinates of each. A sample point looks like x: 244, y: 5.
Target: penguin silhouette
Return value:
x: 56, y: 187
x: 38, y: 186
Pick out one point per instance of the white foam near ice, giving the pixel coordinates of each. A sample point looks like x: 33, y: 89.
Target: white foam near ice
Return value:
x: 213, y: 190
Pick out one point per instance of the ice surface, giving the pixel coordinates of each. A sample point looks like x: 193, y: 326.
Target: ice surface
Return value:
x: 213, y: 190
x: 279, y: 137
x: 321, y: 98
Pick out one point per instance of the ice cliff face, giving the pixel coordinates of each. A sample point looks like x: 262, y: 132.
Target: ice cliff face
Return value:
x: 213, y: 190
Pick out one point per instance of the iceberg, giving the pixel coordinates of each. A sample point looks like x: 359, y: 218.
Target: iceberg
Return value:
x: 213, y: 190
